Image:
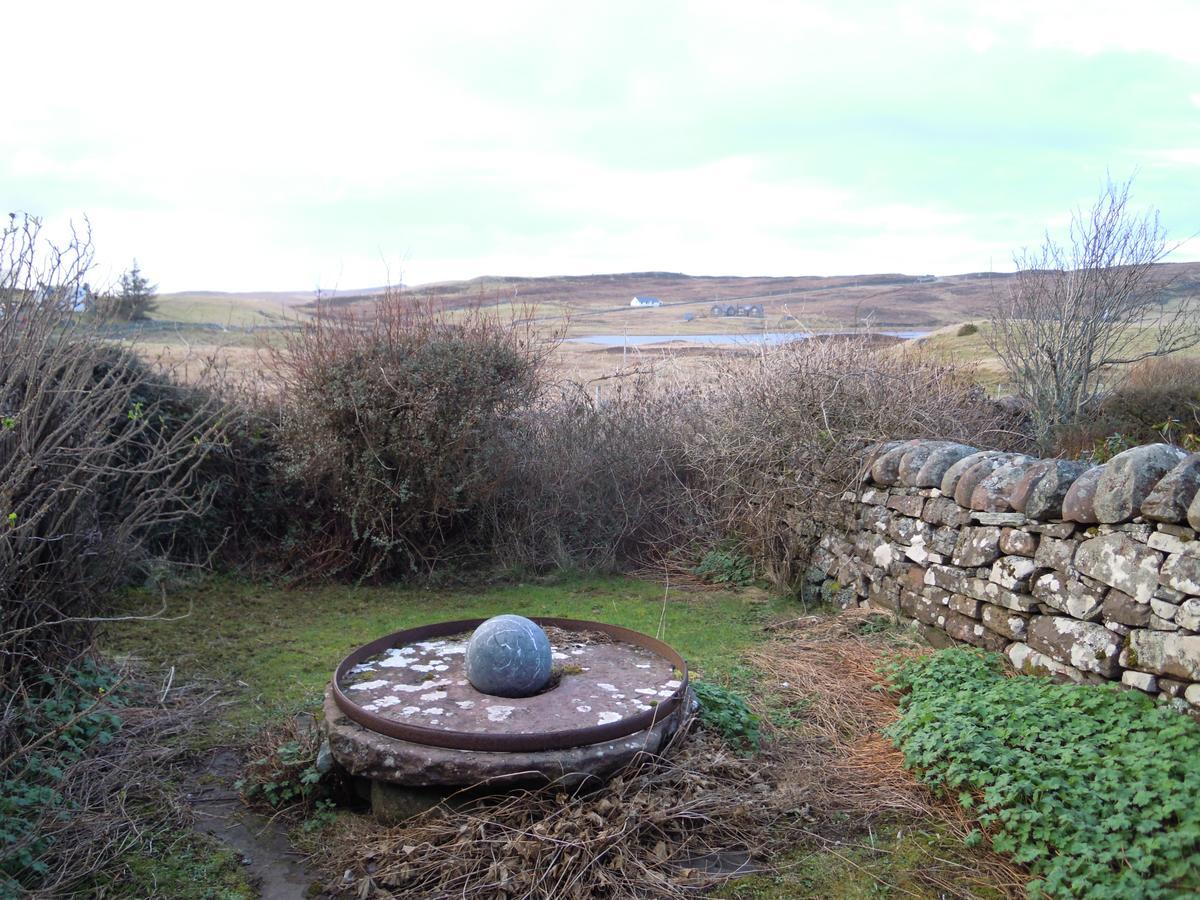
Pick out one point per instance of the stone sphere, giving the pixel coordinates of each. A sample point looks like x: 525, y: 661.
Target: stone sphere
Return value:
x: 509, y: 656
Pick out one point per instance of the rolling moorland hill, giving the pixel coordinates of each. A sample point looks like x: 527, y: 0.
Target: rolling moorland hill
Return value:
x: 600, y: 303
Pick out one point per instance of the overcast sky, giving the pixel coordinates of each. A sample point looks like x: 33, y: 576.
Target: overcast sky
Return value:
x: 255, y: 146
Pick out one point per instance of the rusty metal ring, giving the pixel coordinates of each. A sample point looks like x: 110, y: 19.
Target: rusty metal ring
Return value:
x: 546, y: 740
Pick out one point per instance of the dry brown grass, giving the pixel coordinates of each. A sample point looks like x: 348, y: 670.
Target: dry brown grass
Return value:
x: 849, y: 771
x: 668, y: 826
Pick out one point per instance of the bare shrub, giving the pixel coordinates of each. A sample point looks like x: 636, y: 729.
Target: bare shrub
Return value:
x: 1159, y: 399
x: 390, y: 424
x: 1077, y: 310
x: 595, y: 483
x: 792, y: 426
x: 90, y: 472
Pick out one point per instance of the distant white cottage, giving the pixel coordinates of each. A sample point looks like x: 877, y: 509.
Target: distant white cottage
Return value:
x: 645, y: 301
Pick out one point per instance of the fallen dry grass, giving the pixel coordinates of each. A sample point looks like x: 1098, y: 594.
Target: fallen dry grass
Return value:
x: 668, y: 826
x: 849, y: 771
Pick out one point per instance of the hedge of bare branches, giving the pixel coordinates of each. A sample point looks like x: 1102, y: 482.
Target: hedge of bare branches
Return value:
x: 391, y: 424
x: 791, y: 428
x: 96, y: 463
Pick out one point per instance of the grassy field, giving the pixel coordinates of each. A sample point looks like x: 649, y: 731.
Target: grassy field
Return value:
x: 273, y: 649
x: 269, y: 653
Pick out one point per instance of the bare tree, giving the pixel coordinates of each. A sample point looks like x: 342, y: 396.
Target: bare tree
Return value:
x: 1077, y: 310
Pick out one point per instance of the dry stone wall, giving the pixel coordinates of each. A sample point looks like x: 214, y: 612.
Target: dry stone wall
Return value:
x: 1090, y: 573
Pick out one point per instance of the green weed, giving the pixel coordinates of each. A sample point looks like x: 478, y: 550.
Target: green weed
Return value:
x: 1092, y: 788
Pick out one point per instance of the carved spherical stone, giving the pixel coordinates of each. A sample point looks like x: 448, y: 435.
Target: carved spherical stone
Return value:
x: 509, y: 656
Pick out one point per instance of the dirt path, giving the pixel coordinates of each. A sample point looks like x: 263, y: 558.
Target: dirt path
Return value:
x: 263, y: 844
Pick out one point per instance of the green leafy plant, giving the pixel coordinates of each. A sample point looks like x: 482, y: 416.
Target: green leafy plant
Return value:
x: 1092, y: 788
x: 728, y: 714
x: 66, y: 716
x: 726, y: 567
x: 285, y: 776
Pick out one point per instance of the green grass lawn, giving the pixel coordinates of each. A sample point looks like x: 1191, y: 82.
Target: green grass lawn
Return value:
x: 274, y: 650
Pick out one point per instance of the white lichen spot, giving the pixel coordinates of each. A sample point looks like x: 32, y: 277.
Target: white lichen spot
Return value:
x: 583, y: 709
x: 433, y: 711
x: 368, y: 685
x: 440, y: 668
x: 606, y: 717
x: 641, y: 665
x: 410, y: 710
x: 362, y: 667
x: 422, y: 667
x: 674, y: 683
x: 557, y: 655
x: 384, y: 702
x: 618, y: 696
x: 454, y: 647
x: 665, y: 693
x: 577, y: 651
x: 604, y: 686
x: 499, y: 713
x: 465, y: 704
x: 434, y: 695
x: 649, y: 692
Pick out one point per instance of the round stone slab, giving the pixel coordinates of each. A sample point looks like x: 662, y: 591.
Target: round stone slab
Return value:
x: 368, y: 754
x: 509, y: 656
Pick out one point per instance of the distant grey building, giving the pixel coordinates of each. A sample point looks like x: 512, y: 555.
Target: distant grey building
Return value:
x: 645, y: 301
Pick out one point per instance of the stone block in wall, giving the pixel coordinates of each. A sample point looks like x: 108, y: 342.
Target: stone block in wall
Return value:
x: 1120, y: 607
x: 884, y: 595
x: 955, y: 473
x: 966, y: 606
x: 1005, y: 621
x: 921, y: 554
x: 1162, y: 592
x: 1163, y: 609
x: 1053, y: 553
x: 1016, y: 542
x: 1002, y: 519
x: 1171, y: 543
x: 1165, y: 653
x: 914, y: 458
x: 904, y: 530
x: 1069, y: 595
x: 969, y: 631
x: 1139, y: 531
x: 1083, y: 645
x: 1058, y: 530
x: 938, y: 463
x: 1119, y: 562
x: 944, y: 511
x: 1188, y: 615
x: 1143, y: 681
x: 906, y: 504
x: 1129, y: 477
x: 1040, y: 491
x: 965, y: 489
x: 1171, y: 687
x: 912, y: 578
x: 944, y: 540
x: 886, y: 467
x: 1013, y: 572
x: 1192, y: 694
x: 1030, y: 662
x: 957, y: 581
x: 977, y: 546
x: 866, y: 543
x: 1181, y: 572
x: 876, y: 518
x: 1077, y: 505
x: 1193, y: 513
x: 873, y: 497
x: 992, y: 493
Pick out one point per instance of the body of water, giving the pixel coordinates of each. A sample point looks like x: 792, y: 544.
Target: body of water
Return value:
x: 766, y: 337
